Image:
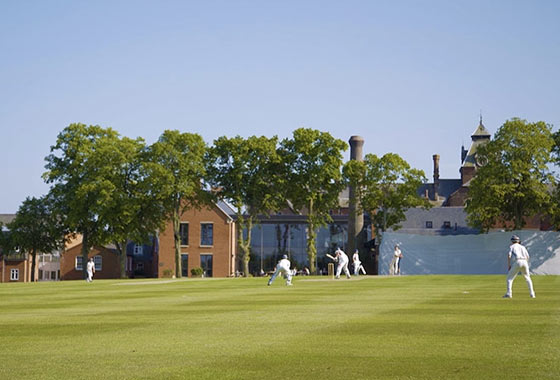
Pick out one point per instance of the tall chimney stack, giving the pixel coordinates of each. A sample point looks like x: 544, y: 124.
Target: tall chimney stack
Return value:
x: 436, y: 176
x: 356, y: 235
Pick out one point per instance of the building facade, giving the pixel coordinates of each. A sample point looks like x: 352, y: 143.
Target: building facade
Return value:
x: 106, y: 259
x: 208, y: 241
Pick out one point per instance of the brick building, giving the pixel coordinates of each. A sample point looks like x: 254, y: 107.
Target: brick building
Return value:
x: 208, y: 241
x: 106, y: 261
x: 453, y: 192
x: 450, y: 195
x: 14, y: 266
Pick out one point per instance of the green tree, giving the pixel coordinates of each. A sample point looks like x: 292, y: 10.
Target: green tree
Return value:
x: 313, y: 179
x: 36, y: 228
x: 81, y: 182
x: 386, y: 187
x: 514, y: 183
x: 245, y: 172
x: 6, y: 242
x: 133, y: 211
x: 176, y: 170
x: 555, y: 212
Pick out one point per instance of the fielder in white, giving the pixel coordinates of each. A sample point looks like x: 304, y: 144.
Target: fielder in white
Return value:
x: 518, y: 261
x: 394, y: 268
x: 342, y: 260
x: 283, y: 267
x: 357, y: 264
x: 90, y: 267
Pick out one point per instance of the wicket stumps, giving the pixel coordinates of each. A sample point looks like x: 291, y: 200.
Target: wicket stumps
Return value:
x: 330, y: 268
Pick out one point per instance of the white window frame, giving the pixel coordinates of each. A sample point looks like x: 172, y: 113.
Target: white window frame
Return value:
x: 207, y: 245
x: 79, y: 264
x: 203, y: 268
x: 98, y: 261
x: 188, y: 237
x: 14, y: 274
x: 138, y: 250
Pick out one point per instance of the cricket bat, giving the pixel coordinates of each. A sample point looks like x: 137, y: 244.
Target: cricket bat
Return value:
x: 331, y: 257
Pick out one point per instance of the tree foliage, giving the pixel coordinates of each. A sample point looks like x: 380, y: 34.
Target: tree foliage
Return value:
x: 245, y: 172
x: 386, y: 187
x: 515, y: 181
x: 313, y: 178
x: 36, y: 228
x: 82, y: 186
x: 555, y: 212
x: 176, y: 170
x: 133, y: 211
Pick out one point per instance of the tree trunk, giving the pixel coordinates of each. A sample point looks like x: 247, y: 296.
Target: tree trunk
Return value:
x: 33, y: 263
x: 311, y: 235
x: 121, y: 247
x: 245, y: 243
x: 378, y: 240
x: 85, y: 254
x: 311, y: 248
x: 177, y: 235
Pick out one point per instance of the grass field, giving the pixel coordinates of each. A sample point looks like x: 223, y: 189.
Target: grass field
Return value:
x: 417, y: 327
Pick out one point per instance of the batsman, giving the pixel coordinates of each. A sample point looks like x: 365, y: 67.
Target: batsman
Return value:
x: 342, y: 259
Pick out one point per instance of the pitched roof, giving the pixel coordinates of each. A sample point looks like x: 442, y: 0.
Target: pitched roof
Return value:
x: 481, y: 131
x: 445, y: 189
x: 479, y: 137
x: 6, y: 218
x: 226, y: 208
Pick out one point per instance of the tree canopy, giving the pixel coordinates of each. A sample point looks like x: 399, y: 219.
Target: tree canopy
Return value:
x: 246, y: 173
x: 386, y: 187
x: 36, y: 228
x: 176, y: 170
x: 313, y: 178
x: 81, y: 180
x: 515, y: 181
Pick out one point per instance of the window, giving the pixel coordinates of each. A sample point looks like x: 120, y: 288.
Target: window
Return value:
x: 206, y: 265
x: 206, y: 234
x: 98, y: 261
x: 184, y: 233
x: 14, y: 274
x: 138, y: 249
x: 429, y: 224
x: 447, y: 225
x: 79, y: 264
x: 53, y: 275
x: 40, y: 274
x: 140, y: 266
x: 185, y: 265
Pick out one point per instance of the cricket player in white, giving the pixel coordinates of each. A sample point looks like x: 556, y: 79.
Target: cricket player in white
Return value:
x: 518, y: 261
x: 357, y: 264
x: 342, y: 260
x: 282, y: 267
x: 394, y: 268
x: 90, y: 270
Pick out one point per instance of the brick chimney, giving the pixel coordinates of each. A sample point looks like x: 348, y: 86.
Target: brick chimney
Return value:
x: 436, y: 176
x: 356, y: 238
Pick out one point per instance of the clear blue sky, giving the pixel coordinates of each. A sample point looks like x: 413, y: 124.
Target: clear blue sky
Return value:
x: 411, y: 77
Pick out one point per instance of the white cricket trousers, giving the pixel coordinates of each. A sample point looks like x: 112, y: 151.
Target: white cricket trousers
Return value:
x: 89, y: 276
x: 342, y: 266
x: 285, y: 272
x: 523, y: 267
